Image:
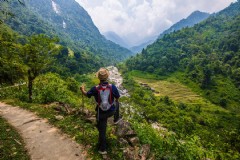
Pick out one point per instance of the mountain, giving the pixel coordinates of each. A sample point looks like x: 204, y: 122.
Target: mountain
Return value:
x: 191, y: 20
x: 139, y: 48
x: 208, y: 54
x: 70, y: 22
x: 112, y: 36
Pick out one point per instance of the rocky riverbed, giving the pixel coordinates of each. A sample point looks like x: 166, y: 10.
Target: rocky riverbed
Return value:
x: 117, y: 79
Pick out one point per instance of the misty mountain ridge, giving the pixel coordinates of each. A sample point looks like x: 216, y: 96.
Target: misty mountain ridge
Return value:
x: 138, y: 48
x: 194, y: 18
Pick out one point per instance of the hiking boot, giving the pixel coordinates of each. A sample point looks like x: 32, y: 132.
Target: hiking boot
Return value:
x: 117, y: 121
x: 102, y: 152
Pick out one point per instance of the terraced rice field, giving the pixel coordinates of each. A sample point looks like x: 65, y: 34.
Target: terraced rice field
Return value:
x: 175, y: 91
x: 178, y: 93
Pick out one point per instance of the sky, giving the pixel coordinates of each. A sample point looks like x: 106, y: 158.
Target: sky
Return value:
x: 137, y: 21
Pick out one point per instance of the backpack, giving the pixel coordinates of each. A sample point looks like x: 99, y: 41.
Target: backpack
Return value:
x: 104, y: 96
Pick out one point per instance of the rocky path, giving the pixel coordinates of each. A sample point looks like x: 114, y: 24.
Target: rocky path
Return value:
x: 43, y: 141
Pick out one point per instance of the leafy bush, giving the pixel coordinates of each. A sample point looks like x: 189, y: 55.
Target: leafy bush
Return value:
x: 50, y: 87
x: 166, y: 145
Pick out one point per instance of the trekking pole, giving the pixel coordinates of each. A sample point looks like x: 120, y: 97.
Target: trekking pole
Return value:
x: 82, y: 101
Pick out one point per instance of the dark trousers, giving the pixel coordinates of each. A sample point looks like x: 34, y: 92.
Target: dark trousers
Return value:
x: 116, y: 114
x: 102, y: 117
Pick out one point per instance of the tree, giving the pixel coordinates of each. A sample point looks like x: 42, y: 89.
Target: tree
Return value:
x: 37, y: 55
x: 4, y: 12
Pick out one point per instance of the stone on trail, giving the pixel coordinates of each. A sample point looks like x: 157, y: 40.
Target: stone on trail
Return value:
x: 59, y: 117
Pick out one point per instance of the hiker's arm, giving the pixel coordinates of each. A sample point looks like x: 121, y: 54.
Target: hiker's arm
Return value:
x: 115, y: 93
x: 84, y: 92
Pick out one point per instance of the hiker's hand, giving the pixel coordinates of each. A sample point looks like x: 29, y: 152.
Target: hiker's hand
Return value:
x: 82, y: 88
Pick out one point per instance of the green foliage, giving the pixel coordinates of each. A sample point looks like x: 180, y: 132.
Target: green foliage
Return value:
x: 168, y: 146
x: 11, y: 66
x: 208, y: 54
x: 38, y: 53
x: 201, y: 130
x: 50, y: 88
x: 47, y: 88
x: 11, y: 143
x: 4, y: 10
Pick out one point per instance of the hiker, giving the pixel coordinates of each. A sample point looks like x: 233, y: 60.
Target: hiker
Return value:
x: 106, y: 95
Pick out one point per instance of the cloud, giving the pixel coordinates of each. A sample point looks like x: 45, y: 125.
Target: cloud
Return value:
x: 138, y: 20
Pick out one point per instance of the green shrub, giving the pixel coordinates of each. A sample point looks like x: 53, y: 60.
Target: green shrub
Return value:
x: 165, y: 145
x: 50, y: 87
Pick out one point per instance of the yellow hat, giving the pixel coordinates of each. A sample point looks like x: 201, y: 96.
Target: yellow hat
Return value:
x: 102, y: 74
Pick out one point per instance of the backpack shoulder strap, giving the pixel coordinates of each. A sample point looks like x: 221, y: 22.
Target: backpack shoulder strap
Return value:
x: 110, y: 88
x: 98, y: 88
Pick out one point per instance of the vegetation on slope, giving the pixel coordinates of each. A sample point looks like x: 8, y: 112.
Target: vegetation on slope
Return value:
x: 11, y: 144
x: 212, y: 130
x: 51, y: 88
x: 208, y: 54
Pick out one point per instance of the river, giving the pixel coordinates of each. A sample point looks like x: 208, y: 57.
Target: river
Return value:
x: 116, y: 77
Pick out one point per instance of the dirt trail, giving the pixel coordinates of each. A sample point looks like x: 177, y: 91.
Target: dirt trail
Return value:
x: 43, y: 141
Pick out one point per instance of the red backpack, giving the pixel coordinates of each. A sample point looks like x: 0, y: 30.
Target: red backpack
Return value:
x: 104, y: 96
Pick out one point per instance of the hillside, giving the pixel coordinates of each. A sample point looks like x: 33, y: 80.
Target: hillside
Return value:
x: 67, y: 20
x: 197, y: 128
x: 208, y: 55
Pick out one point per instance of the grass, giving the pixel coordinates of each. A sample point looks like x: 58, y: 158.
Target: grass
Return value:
x: 178, y: 93
x: 11, y: 143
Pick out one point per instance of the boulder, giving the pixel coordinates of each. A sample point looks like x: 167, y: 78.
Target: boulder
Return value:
x: 131, y: 133
x: 145, y: 151
x: 61, y: 107
x: 131, y: 153
x: 134, y: 141
x: 122, y: 128
x: 123, y: 142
